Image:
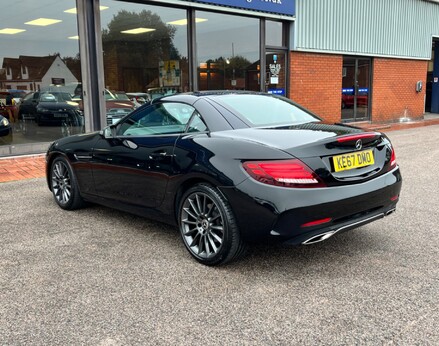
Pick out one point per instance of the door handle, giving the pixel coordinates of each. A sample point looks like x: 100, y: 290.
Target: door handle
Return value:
x: 158, y: 155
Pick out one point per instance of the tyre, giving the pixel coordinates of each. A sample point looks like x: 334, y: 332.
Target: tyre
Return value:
x: 208, y: 227
x: 64, y: 186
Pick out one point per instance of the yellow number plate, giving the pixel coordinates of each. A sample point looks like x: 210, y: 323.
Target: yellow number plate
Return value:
x: 353, y: 160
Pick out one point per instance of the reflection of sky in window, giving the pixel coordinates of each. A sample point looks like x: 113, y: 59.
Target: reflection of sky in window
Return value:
x: 226, y: 36
x: 214, y: 38
x: 166, y: 14
x: 38, y: 40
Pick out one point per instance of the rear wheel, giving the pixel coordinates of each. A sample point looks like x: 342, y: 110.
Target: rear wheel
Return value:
x: 64, y: 186
x: 208, y: 227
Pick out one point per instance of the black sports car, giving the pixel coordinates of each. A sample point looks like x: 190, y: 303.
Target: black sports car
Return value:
x: 50, y: 108
x: 230, y: 168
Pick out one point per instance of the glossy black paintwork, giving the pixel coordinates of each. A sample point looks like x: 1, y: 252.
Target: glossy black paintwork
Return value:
x: 283, y: 210
x: 147, y: 175
x: 5, y: 131
x: 136, y: 176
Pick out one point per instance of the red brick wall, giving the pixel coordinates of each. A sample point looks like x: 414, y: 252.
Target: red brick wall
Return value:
x: 394, y: 89
x: 316, y: 83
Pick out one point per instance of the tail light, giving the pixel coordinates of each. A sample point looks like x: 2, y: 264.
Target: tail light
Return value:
x: 392, y: 158
x: 286, y: 173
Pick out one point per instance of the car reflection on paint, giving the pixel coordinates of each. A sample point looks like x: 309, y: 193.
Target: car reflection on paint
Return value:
x: 229, y: 169
x: 50, y: 108
x: 6, y: 134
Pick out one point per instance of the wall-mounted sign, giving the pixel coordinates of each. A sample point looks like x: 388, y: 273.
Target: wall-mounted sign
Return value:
x: 277, y: 91
x: 169, y: 73
x: 274, y: 71
x: 286, y: 7
x: 351, y: 90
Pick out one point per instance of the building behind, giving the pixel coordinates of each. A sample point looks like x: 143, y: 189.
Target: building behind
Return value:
x: 346, y: 60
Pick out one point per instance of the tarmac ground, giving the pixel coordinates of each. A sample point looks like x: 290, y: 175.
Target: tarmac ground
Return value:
x: 102, y: 277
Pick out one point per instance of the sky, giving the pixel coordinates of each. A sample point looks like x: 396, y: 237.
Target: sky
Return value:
x: 218, y: 35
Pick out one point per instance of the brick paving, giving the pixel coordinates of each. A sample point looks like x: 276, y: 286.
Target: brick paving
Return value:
x: 32, y: 166
x: 21, y: 167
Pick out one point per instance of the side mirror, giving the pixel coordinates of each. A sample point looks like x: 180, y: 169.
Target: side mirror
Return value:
x: 108, y: 132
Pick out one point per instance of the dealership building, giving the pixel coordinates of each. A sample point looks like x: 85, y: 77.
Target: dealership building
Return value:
x: 346, y: 60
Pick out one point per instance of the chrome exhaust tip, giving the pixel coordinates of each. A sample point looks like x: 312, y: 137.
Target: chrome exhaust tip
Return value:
x: 323, y: 236
x: 391, y: 211
x: 318, y: 238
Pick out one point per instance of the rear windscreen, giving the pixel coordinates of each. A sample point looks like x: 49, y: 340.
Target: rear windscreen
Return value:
x: 263, y: 110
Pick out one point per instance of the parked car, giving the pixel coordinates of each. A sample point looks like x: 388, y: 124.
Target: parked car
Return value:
x: 17, y: 95
x: 9, y: 105
x: 50, y: 108
x: 6, y: 135
x: 230, y: 168
x: 116, y: 108
x: 121, y: 95
x: 139, y: 98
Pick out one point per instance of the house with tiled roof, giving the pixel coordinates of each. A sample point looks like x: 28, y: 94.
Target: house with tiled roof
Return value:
x: 35, y: 73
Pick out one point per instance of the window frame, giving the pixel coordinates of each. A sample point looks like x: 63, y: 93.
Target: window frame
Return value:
x: 125, y: 119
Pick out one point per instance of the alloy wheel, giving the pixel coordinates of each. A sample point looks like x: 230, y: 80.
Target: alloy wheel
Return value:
x: 202, y: 225
x: 61, y: 182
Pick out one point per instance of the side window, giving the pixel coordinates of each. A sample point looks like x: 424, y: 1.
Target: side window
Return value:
x: 29, y: 97
x: 197, y: 124
x: 157, y: 119
x: 47, y: 97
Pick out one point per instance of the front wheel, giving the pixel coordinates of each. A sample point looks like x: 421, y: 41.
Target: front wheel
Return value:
x: 208, y: 227
x: 64, y: 186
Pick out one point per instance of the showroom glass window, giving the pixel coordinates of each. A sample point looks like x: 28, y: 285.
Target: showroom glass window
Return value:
x: 274, y: 34
x: 39, y: 53
x: 227, y: 51
x: 145, y: 51
x: 275, y: 58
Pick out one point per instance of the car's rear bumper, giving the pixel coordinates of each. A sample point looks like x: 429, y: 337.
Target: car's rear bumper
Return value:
x: 287, y: 215
x: 315, y: 234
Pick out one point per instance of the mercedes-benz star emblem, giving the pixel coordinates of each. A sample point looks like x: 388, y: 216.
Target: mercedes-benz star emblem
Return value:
x: 358, y: 144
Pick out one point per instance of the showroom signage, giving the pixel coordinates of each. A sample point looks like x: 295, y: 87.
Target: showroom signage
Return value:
x: 274, y: 71
x: 286, y: 7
